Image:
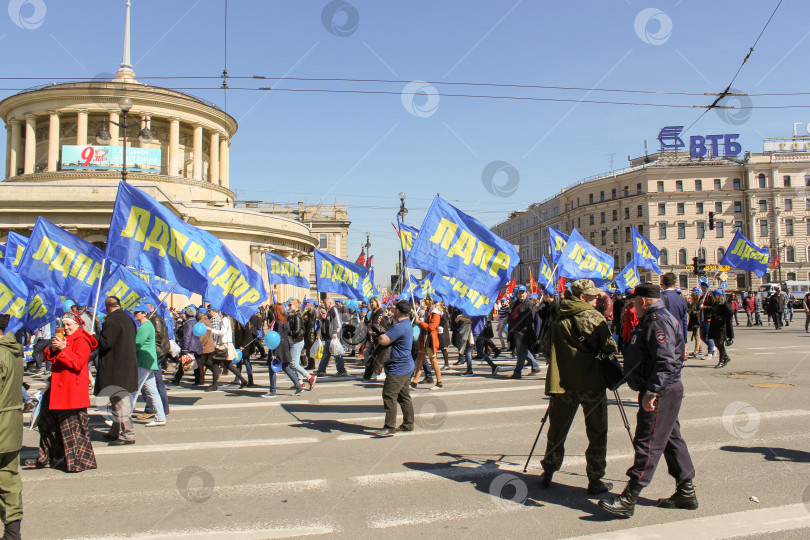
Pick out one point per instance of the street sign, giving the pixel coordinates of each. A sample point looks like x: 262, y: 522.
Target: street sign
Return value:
x: 724, y: 285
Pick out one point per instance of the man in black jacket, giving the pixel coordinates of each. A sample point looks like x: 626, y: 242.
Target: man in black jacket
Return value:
x: 521, y: 327
x: 117, y: 375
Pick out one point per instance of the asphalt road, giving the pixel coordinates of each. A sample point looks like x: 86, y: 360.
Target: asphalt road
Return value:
x: 232, y: 465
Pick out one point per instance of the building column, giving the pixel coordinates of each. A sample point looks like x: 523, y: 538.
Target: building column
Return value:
x: 223, y: 161
x: 53, y: 142
x: 14, y: 153
x: 81, y: 128
x: 198, y: 157
x: 213, y: 166
x: 174, y: 146
x: 752, y: 215
x: 30, y: 144
x: 113, y: 128
x: 8, y: 149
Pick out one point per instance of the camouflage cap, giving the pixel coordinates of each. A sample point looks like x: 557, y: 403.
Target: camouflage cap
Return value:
x: 585, y: 286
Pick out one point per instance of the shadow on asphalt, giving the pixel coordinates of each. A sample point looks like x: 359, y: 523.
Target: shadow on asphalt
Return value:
x: 772, y: 454
x: 332, y: 426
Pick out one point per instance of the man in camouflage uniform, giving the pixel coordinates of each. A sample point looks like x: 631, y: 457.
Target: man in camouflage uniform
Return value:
x: 576, y: 338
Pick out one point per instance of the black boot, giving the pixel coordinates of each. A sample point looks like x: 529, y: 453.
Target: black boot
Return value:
x: 625, y: 504
x: 683, y: 498
x: 12, y: 530
x: 598, y: 486
x: 545, y: 478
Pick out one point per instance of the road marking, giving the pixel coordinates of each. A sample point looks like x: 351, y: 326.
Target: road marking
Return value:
x: 208, y: 445
x: 439, y: 393
x: 224, y: 533
x: 419, y: 516
x: 737, y: 524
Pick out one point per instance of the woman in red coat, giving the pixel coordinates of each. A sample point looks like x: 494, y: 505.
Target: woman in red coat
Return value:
x: 64, y: 441
x: 429, y: 341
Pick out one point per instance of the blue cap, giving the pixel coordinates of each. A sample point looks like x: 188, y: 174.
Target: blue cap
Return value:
x: 534, y: 296
x: 679, y: 291
x: 696, y: 289
x: 628, y: 291
x: 520, y: 288
x: 717, y: 292
x: 290, y: 298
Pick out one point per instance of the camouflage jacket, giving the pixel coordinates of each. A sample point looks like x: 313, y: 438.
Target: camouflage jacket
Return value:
x: 575, y: 340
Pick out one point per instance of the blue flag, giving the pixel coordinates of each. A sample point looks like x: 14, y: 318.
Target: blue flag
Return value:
x: 15, y: 247
x: 43, y: 307
x: 548, y: 276
x: 13, y: 298
x: 158, y: 283
x: 129, y: 287
x: 745, y: 255
x: 557, y: 241
x: 451, y: 243
x: 146, y: 235
x: 341, y: 277
x: 407, y: 236
x: 645, y: 254
x: 369, y: 289
x: 58, y: 259
x: 581, y: 260
x: 2, y: 253
x: 628, y: 278
x: 284, y: 271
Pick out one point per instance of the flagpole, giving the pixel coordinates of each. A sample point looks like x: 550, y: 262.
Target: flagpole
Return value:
x: 98, y: 293
x: 160, y: 300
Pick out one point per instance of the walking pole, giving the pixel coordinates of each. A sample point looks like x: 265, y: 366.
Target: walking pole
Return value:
x: 542, y: 423
x: 624, y: 414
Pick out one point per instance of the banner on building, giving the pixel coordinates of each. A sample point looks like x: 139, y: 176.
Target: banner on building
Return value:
x: 91, y: 157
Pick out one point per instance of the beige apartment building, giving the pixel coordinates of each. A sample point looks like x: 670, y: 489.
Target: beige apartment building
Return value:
x: 668, y: 197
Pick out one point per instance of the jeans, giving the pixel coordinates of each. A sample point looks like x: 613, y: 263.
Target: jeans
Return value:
x: 286, y: 369
x: 325, y: 360
x: 704, y: 331
x: 295, y: 351
x: 161, y: 387
x: 501, y: 327
x: 146, y: 380
x: 522, y: 350
x: 25, y: 396
x: 479, y: 348
x: 121, y: 412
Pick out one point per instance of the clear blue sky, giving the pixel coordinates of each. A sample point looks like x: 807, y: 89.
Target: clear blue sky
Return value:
x: 366, y: 148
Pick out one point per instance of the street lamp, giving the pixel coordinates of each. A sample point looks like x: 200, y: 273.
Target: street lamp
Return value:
x: 367, y: 246
x: 103, y: 136
x: 402, y: 210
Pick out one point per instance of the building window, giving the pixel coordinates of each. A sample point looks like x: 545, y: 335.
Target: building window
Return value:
x: 627, y: 212
x: 591, y: 221
x: 579, y: 222
x: 762, y: 180
x: 601, y: 195
x: 788, y: 204
x: 736, y: 183
x: 638, y: 189
x: 322, y: 241
x: 628, y: 257
x: 698, y: 185
x: 786, y: 180
x: 615, y: 236
x: 641, y: 229
x: 717, y: 184
x: 791, y: 276
x: 615, y: 215
x: 699, y: 207
x: 807, y: 180
x: 662, y: 209
x: 682, y: 256
x: 662, y: 231
x: 593, y: 236
x: 590, y: 198
x: 640, y: 211
x: 741, y: 282
x: 719, y: 227
x: 789, y: 227
x: 679, y: 185
x: 663, y: 259
x: 720, y: 253
x: 790, y: 254
x: 683, y: 281
x: 763, y: 228
x: 702, y: 253
x: 763, y: 205
x: 661, y: 186
x: 718, y: 207
x: 701, y: 229
x: 627, y: 234
x: 604, y: 237
x: 613, y: 193
x: 602, y: 217
x: 626, y: 191
x: 681, y: 230
x: 738, y: 226
x: 807, y: 204
x: 680, y: 208
x: 737, y: 207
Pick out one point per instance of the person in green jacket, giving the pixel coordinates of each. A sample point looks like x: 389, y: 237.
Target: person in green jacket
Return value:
x: 148, y: 370
x: 11, y: 426
x: 578, y: 336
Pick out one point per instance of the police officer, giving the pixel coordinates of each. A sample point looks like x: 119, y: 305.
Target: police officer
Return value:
x: 653, y: 359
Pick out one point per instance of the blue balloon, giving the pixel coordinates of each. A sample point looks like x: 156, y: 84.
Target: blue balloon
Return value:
x: 239, y: 354
x: 272, y: 339
x: 416, y: 331
x: 100, y: 317
x: 275, y: 365
x: 199, y: 329
x: 68, y: 304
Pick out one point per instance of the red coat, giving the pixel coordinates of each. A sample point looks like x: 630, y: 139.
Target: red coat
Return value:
x: 431, y: 328
x: 70, y: 379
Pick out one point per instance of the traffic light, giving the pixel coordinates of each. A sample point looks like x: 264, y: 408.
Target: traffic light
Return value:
x: 698, y: 266
x: 695, y: 261
x: 711, y: 221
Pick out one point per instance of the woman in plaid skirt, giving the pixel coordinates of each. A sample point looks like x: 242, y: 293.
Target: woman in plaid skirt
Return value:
x: 64, y: 441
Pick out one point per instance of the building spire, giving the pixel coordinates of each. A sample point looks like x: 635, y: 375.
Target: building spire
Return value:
x: 125, y: 73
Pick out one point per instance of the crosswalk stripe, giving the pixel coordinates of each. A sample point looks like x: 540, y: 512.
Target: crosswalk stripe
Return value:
x: 206, y: 445
x: 224, y: 533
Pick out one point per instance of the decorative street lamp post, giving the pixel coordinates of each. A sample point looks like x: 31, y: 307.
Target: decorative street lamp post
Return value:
x: 103, y: 136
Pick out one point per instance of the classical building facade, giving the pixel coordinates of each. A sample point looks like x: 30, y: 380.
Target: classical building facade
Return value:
x: 668, y: 197
x: 192, y: 179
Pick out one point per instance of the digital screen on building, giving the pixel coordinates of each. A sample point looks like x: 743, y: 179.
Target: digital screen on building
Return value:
x: 98, y: 158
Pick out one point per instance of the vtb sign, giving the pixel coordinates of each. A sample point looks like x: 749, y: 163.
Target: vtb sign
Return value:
x: 699, y: 145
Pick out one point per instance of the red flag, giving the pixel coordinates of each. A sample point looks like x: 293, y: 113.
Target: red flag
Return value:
x: 532, y: 283
x: 775, y: 262
x: 510, y: 287
x: 369, y: 263
x: 361, y: 260
x: 560, y: 285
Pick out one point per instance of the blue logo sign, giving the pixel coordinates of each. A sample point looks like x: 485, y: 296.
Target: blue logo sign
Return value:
x: 699, y: 145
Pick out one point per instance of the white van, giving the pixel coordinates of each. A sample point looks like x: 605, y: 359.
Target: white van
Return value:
x: 796, y: 290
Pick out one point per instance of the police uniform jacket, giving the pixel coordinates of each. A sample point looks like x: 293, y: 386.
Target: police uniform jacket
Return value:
x: 653, y: 356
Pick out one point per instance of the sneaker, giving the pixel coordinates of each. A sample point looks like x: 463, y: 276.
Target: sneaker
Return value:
x: 312, y: 379
x: 341, y: 374
x: 534, y: 372
x: 428, y: 380
x: 495, y: 370
x: 414, y: 385
x: 458, y: 363
x: 496, y: 353
x: 156, y: 424
x: 467, y: 374
x: 403, y: 428
x: 437, y: 386
x: 381, y: 377
x: 269, y: 395
x: 299, y: 391
x: 515, y: 376
x: 28, y: 407
x: 108, y: 423
x: 119, y: 442
x: 320, y: 373
x: 145, y: 415
x: 385, y: 432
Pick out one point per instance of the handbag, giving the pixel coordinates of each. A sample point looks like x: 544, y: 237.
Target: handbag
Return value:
x: 220, y: 353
